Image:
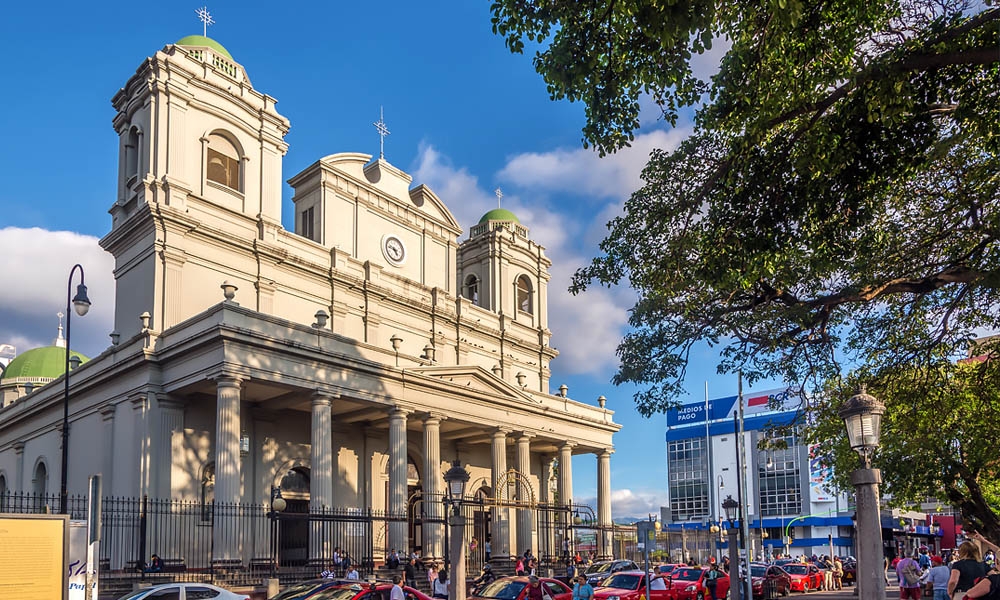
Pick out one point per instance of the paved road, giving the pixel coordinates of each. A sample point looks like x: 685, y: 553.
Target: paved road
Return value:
x: 891, y: 592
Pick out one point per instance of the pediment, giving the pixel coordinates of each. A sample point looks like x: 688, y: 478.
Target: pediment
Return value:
x: 476, y: 379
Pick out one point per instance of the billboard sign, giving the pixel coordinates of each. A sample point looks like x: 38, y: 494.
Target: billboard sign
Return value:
x: 776, y: 400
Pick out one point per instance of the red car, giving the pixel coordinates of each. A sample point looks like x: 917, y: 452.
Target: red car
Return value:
x: 688, y: 583
x: 669, y: 568
x: 631, y: 585
x: 804, y: 577
x: 776, y: 577
x: 361, y: 591
x: 516, y: 588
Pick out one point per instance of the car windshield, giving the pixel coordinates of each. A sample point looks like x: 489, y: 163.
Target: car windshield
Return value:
x: 337, y: 593
x: 797, y: 569
x: 622, y: 582
x: 757, y: 571
x: 503, y: 590
x: 687, y: 574
x: 599, y: 568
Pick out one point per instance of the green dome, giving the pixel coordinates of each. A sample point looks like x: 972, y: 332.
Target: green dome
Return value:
x: 499, y: 214
x: 48, y: 362
x: 200, y: 40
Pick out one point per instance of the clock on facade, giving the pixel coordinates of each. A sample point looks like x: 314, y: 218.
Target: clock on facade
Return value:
x: 393, y: 249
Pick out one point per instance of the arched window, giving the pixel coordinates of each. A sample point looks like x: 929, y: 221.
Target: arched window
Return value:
x: 3, y: 492
x: 472, y: 288
x: 132, y: 155
x: 224, y: 162
x: 40, y: 485
x: 207, y: 491
x: 524, y: 294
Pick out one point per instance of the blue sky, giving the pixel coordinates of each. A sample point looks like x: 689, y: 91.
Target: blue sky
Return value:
x: 466, y: 116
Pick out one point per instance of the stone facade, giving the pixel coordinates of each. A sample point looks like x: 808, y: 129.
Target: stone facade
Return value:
x: 365, y: 350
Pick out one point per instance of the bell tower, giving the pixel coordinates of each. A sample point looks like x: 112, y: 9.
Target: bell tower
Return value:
x: 199, y: 150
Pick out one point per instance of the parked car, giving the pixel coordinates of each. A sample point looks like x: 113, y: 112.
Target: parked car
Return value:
x: 688, y: 583
x: 308, y: 589
x: 599, y: 571
x: 804, y: 577
x: 631, y: 585
x: 669, y: 568
x: 772, y: 576
x: 516, y: 588
x: 184, y: 591
x: 359, y: 591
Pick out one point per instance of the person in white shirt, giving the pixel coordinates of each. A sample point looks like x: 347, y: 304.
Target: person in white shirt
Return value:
x: 397, y: 592
x: 440, y: 587
x: 353, y: 574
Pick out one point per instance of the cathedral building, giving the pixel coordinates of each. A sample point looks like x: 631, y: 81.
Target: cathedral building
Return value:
x: 346, y: 363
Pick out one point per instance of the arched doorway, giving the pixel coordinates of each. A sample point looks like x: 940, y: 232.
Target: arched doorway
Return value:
x: 293, y: 541
x: 481, y: 525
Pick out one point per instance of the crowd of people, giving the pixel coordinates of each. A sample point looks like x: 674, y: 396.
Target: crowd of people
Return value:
x: 966, y: 574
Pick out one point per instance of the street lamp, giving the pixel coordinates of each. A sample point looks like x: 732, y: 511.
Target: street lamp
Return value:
x: 732, y: 509
x: 651, y: 531
x: 278, y: 505
x: 81, y: 304
x: 862, y: 415
x: 455, y: 480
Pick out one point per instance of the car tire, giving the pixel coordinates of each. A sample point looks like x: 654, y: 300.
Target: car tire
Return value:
x: 785, y: 591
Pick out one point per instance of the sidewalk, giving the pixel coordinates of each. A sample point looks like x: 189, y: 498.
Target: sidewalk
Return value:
x: 891, y: 592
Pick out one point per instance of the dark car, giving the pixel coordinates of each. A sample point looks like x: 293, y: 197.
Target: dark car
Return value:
x: 770, y: 577
x: 516, y: 588
x: 599, y: 571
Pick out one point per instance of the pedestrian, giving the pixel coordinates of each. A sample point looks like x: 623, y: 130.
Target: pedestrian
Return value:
x: 410, y: 572
x: 908, y: 571
x: 519, y: 566
x: 536, y: 591
x: 393, y: 562
x: 712, y: 580
x: 488, y: 548
x: 473, y: 546
x: 838, y: 573
x: 432, y: 574
x: 352, y: 573
x: 966, y: 570
x: 937, y: 577
x: 440, y: 587
x: 396, y: 593
x: 582, y: 590
x: 570, y: 571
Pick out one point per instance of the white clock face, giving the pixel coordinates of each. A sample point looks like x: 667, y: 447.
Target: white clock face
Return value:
x: 394, y: 249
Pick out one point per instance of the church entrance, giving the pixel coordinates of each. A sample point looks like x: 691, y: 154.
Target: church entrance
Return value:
x: 293, y: 537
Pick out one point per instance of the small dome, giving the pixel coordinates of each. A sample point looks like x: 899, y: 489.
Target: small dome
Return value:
x: 499, y: 214
x: 48, y: 362
x: 205, y: 42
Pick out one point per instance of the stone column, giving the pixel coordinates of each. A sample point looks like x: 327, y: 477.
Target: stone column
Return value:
x: 500, y: 544
x: 433, y: 523
x: 549, y: 526
x: 397, y: 478
x: 171, y: 420
x: 108, y: 449
x: 566, y: 474
x: 524, y: 495
x: 604, y: 504
x: 227, y: 466
x: 321, y: 473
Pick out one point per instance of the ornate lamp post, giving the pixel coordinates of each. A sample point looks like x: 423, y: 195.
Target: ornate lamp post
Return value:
x: 862, y: 415
x: 278, y: 505
x: 732, y: 508
x: 455, y: 480
x: 81, y: 304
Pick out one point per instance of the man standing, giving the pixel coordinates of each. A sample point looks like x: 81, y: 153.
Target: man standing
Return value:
x: 410, y: 571
x: 908, y: 571
x: 397, y: 591
x: 712, y: 580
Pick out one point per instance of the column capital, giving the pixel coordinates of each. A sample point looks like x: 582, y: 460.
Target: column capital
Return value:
x: 19, y: 447
x: 524, y: 435
x: 500, y: 432
x: 323, y: 398
x: 399, y: 412
x: 228, y: 378
x: 107, y: 412
x: 170, y: 404
x: 433, y: 417
x: 567, y: 447
x: 605, y: 451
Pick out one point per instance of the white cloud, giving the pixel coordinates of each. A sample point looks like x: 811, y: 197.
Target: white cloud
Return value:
x: 628, y: 503
x: 583, y: 173
x: 34, y: 274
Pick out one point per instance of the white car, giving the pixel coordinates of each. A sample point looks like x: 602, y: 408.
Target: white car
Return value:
x: 184, y: 591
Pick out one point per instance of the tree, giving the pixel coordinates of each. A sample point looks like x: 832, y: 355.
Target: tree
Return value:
x: 938, y: 440
x: 838, y: 204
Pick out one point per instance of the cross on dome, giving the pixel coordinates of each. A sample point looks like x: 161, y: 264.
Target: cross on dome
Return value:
x: 382, y: 132
x: 205, y: 18
x: 499, y: 195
